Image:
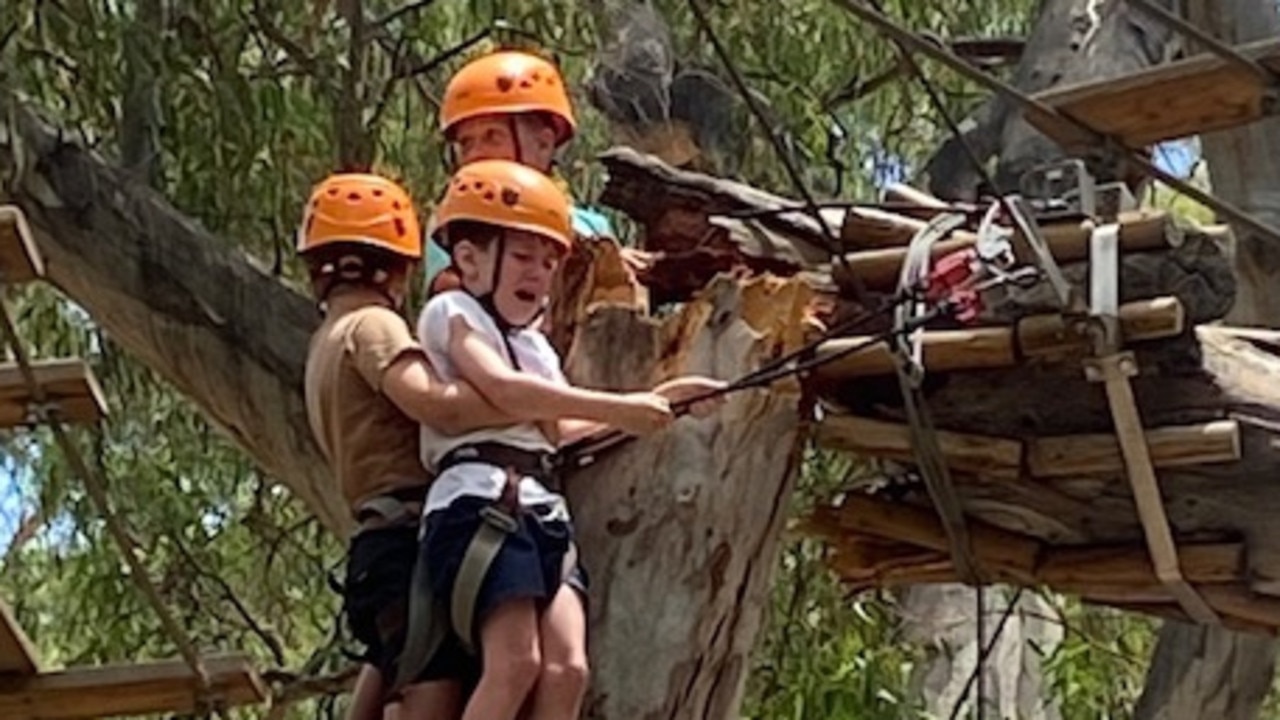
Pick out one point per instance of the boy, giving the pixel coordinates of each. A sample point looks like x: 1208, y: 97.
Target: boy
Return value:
x: 368, y: 390
x: 507, y: 227
x: 512, y: 105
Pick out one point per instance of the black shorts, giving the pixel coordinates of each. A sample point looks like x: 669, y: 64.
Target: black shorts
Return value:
x: 529, y: 565
x: 379, y: 570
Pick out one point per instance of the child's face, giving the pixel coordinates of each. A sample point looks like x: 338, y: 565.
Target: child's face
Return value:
x: 488, y: 137
x: 529, y: 264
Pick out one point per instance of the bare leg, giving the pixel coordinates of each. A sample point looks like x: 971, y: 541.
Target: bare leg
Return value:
x: 509, y: 637
x: 434, y: 700
x: 366, y: 697
x: 562, y: 680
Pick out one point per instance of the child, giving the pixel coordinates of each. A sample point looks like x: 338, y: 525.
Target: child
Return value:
x: 368, y: 390
x: 507, y: 227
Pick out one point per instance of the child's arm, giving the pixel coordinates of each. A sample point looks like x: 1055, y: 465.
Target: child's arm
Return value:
x: 688, y: 387
x: 513, y: 391
x: 451, y: 408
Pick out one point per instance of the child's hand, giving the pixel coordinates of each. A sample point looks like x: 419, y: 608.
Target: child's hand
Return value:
x: 689, y: 387
x: 642, y: 413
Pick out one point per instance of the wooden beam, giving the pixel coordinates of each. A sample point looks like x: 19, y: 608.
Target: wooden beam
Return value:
x: 20, y: 260
x: 1012, y: 555
x: 1039, y: 336
x: 1178, y: 446
x: 68, y: 383
x: 887, y: 234
x: 996, y: 458
x: 1200, y: 94
x: 990, y: 457
x: 17, y: 653
x: 158, y: 687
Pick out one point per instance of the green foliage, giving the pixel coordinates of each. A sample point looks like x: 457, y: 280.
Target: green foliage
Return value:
x: 1099, y: 669
x: 825, y: 654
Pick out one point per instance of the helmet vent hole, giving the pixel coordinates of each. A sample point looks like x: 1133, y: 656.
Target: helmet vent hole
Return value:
x: 526, y: 84
x: 399, y: 227
x: 504, y: 84
x: 377, y: 193
x: 489, y: 196
x: 510, y: 197
x: 353, y: 196
x: 395, y: 204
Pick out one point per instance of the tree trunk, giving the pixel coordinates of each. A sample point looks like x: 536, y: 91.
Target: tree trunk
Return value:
x: 1199, y: 671
x: 679, y: 533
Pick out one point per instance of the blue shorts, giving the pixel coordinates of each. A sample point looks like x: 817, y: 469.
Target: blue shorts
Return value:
x: 529, y: 565
x: 375, y: 599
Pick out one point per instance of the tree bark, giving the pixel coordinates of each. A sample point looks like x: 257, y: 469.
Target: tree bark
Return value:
x: 1199, y: 671
x: 679, y: 532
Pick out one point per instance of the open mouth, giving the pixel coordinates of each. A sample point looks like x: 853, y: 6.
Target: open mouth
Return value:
x: 526, y: 296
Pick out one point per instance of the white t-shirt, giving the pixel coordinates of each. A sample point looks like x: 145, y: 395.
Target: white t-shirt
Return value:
x: 533, y: 353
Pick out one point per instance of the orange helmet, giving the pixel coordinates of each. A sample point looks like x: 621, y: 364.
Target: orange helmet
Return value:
x: 506, y: 194
x: 363, y: 209
x: 507, y: 82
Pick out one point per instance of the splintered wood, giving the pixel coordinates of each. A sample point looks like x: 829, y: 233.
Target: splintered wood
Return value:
x: 1031, y: 444
x: 1197, y: 95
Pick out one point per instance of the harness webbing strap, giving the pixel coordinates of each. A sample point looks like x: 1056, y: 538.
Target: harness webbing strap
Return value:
x: 426, y: 629
x: 479, y: 557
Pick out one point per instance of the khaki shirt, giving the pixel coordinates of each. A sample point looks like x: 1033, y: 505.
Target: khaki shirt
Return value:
x: 371, y: 445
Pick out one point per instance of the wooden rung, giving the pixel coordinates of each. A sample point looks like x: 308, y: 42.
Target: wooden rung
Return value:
x: 161, y: 687
x: 20, y: 261
x: 17, y: 653
x: 1189, y: 97
x: 68, y: 383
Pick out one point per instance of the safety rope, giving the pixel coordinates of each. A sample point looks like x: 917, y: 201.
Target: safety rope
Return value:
x: 46, y: 412
x: 910, y: 370
x: 584, y: 452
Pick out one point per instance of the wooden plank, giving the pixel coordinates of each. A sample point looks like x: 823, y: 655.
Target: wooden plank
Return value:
x: 17, y: 653
x: 1045, y: 337
x: 1197, y: 95
x: 990, y: 457
x: 883, y: 237
x: 1177, y: 446
x: 112, y: 690
x: 69, y: 383
x: 20, y: 260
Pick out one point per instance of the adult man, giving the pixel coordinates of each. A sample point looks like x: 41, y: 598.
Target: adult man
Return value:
x: 513, y: 105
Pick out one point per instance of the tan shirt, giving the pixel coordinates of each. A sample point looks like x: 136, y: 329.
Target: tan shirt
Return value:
x: 371, y: 445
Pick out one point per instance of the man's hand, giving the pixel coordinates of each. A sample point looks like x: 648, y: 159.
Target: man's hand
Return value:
x: 636, y: 260
x: 690, y: 387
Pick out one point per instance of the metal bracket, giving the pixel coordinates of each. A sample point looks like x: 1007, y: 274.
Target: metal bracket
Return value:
x: 1041, y: 254
x: 1060, y: 188
x: 1114, y: 371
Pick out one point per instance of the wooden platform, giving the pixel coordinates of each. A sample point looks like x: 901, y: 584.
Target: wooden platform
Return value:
x: 20, y: 261
x: 114, y: 690
x: 68, y: 383
x: 1188, y: 97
